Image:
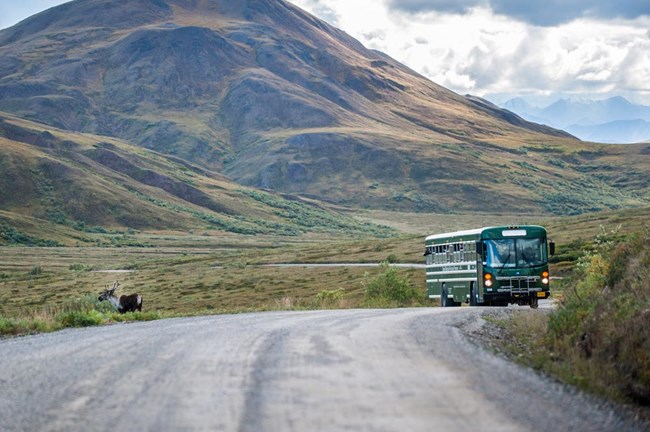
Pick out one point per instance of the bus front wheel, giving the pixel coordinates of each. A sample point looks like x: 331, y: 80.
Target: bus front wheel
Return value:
x: 534, y: 302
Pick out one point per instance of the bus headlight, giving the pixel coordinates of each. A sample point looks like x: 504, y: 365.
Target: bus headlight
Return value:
x: 545, y: 277
x: 488, y: 279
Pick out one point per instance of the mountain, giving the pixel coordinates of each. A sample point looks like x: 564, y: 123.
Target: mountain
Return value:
x: 619, y: 131
x: 522, y: 107
x: 583, y: 112
x: 271, y: 97
x: 613, y: 120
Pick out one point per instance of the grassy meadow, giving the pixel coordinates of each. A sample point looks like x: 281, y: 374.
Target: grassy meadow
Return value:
x: 195, y: 273
x: 219, y: 274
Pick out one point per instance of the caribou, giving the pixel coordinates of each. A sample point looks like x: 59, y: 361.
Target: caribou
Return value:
x: 123, y: 304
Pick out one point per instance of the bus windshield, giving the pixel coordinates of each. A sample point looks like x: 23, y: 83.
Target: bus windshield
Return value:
x: 516, y: 253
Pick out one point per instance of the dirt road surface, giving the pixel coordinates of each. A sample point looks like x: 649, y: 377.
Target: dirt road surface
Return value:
x: 348, y: 370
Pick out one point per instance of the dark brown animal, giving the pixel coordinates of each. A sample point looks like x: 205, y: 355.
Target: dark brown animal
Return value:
x: 125, y: 303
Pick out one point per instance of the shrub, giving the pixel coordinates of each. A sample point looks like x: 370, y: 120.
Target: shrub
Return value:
x: 80, y: 318
x: 392, y: 258
x: 599, y: 331
x: 8, y: 326
x: 330, y: 298
x: 35, y: 271
x: 388, y: 289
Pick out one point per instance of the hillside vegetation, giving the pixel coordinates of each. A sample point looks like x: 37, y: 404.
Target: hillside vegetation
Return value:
x: 60, y: 187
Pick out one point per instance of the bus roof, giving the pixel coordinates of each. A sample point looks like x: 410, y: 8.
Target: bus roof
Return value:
x: 491, y: 232
x: 456, y: 234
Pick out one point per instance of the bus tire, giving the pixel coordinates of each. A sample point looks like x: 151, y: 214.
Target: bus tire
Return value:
x: 473, y: 295
x: 534, y: 302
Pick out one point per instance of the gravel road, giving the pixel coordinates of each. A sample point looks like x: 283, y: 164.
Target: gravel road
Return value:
x: 356, y: 370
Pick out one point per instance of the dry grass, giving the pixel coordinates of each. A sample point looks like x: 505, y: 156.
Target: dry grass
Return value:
x: 181, y: 280
x: 192, y: 273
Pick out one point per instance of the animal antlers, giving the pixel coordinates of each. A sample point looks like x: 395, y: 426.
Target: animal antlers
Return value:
x: 115, y: 286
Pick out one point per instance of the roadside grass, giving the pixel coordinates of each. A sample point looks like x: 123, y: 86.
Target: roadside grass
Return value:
x: 51, y: 288
x: 81, y: 312
x: 597, y: 339
x: 520, y: 336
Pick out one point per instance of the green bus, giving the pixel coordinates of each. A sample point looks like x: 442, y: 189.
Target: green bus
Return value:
x: 493, y: 266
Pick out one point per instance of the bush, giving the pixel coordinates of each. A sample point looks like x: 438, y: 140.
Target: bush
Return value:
x: 330, y: 298
x: 80, y: 319
x: 9, y: 326
x: 36, y: 271
x: 600, y: 329
x: 392, y: 258
x: 389, y: 289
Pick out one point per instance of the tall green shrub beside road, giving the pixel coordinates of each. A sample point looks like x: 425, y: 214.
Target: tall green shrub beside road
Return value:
x: 600, y: 333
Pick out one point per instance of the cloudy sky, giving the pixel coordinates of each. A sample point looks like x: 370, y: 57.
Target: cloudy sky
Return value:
x: 492, y: 48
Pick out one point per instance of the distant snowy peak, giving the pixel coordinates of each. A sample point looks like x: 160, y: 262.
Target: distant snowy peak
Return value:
x: 613, y: 120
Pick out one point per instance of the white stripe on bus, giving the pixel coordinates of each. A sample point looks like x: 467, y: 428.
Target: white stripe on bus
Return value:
x: 452, y: 280
x: 450, y: 272
x: 451, y: 264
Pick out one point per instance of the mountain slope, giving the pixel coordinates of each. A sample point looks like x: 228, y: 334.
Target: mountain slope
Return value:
x: 272, y: 97
x: 92, y: 183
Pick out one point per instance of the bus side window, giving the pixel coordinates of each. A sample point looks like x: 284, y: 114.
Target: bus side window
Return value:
x: 469, y: 253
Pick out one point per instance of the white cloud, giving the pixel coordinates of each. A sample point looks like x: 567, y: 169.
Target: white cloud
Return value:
x: 474, y: 50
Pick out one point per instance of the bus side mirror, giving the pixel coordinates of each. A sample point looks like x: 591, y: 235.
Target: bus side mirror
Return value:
x: 551, y: 248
